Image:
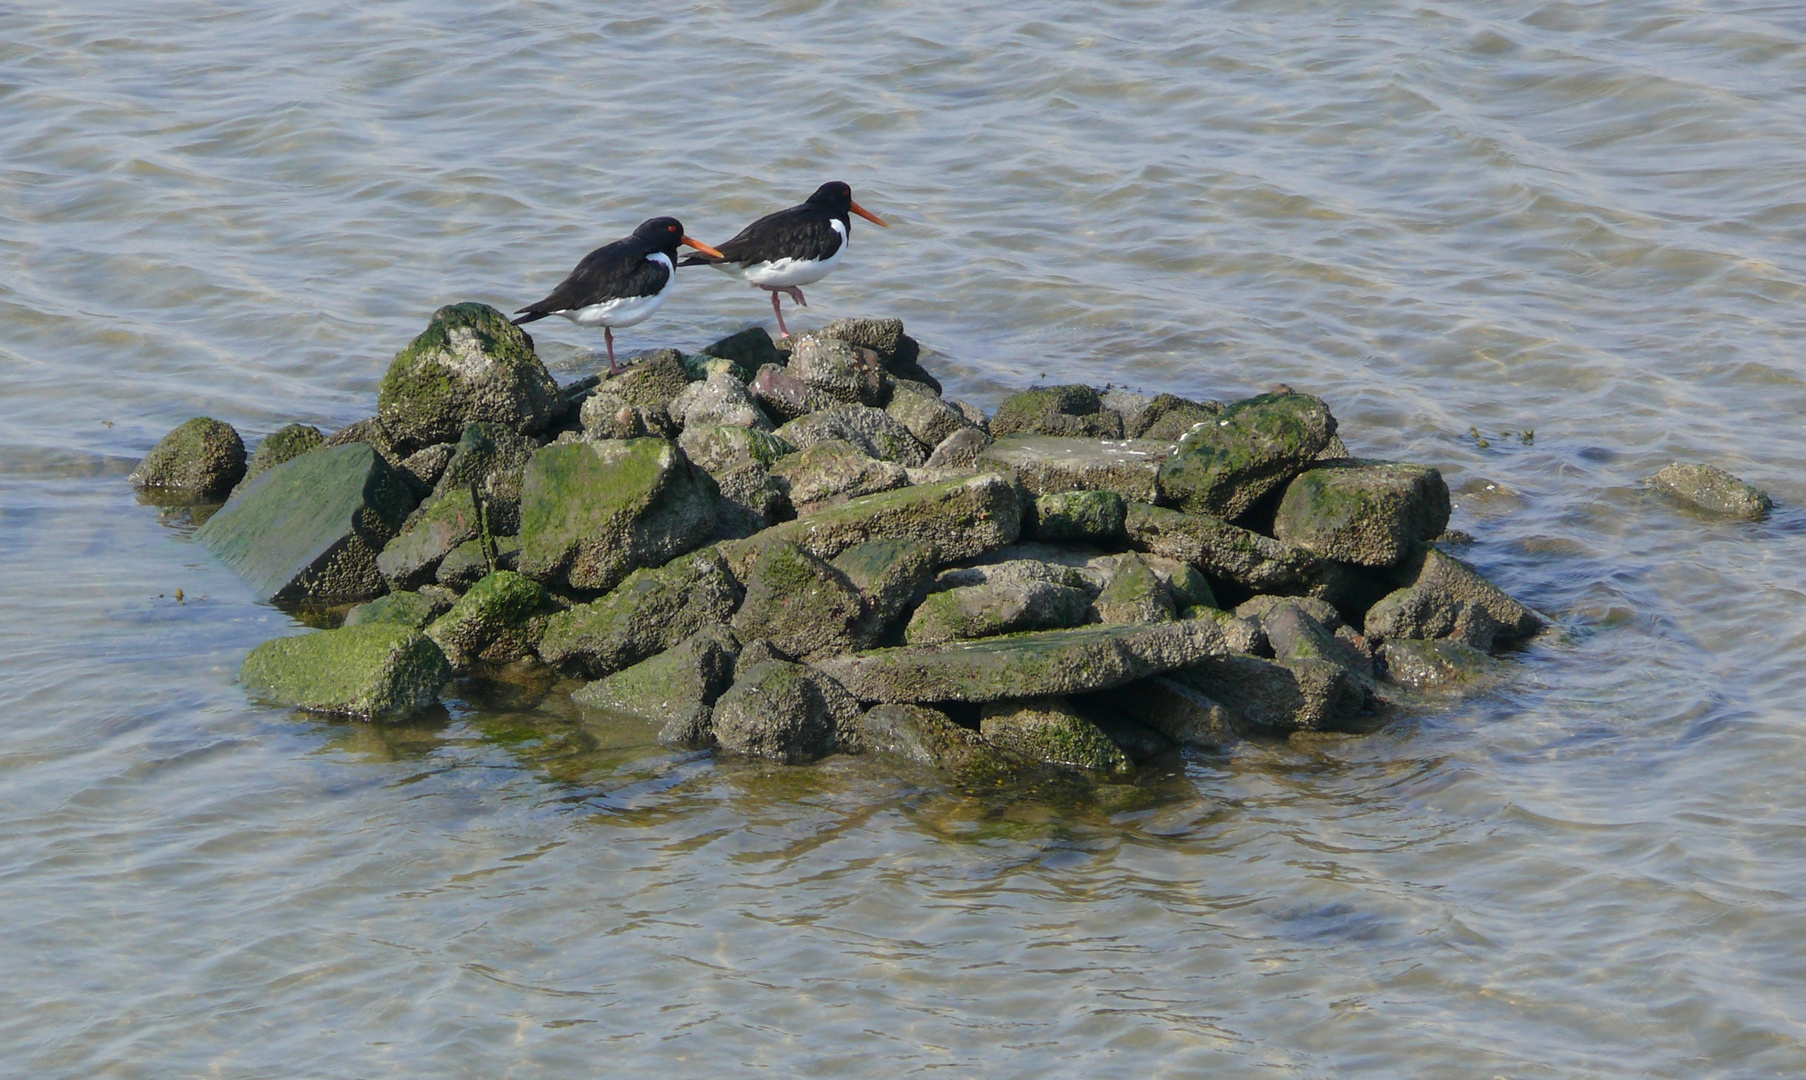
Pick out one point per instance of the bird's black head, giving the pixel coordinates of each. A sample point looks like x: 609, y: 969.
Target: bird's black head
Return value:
x: 661, y: 234
x: 835, y: 196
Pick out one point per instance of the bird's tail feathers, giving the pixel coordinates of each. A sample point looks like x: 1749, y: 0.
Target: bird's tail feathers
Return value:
x: 700, y: 260
x: 528, y: 315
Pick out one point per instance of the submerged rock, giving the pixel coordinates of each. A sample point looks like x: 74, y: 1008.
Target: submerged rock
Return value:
x: 1223, y: 467
x: 1363, y: 512
x: 369, y: 671
x: 784, y: 712
x: 202, y: 458
x: 308, y: 530
x: 1052, y: 731
x: 1072, y: 411
x: 1043, y: 664
x: 921, y: 736
x: 1711, y: 489
x: 676, y: 689
x: 1440, y: 665
x: 1048, y: 464
x: 592, y: 513
x: 470, y: 363
x: 650, y: 611
x: 284, y: 444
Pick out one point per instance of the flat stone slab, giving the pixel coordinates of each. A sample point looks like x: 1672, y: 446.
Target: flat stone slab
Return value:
x: 309, y: 529
x: 1049, y: 464
x: 1047, y: 663
x: 960, y: 519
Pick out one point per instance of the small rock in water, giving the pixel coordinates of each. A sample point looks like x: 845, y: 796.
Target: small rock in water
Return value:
x: 201, y: 459
x: 784, y: 712
x: 369, y: 671
x: 1051, y: 730
x: 1711, y: 489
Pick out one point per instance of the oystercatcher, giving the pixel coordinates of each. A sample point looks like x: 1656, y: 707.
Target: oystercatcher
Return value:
x: 793, y: 247
x: 618, y: 284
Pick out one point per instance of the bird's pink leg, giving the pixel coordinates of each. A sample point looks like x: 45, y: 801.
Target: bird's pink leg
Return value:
x: 783, y: 331
x: 608, y: 335
x: 797, y: 295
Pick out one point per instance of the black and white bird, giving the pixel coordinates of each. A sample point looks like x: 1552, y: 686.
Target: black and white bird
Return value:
x: 619, y: 284
x: 793, y: 247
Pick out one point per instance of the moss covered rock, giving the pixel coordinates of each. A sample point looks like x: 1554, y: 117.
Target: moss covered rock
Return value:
x: 834, y: 468
x: 1048, y: 464
x: 470, y: 363
x: 284, y: 444
x: 718, y: 399
x: 676, y: 689
x: 1226, y: 551
x: 924, y: 414
x: 1363, y: 512
x: 1710, y: 489
x: 1086, y: 517
x: 410, y: 609
x: 883, y: 336
x: 995, y: 607
x: 1445, y: 597
x: 783, y: 712
x: 440, y: 524
x: 959, y: 450
x: 1268, y: 697
x: 1050, y: 662
x: 752, y: 499
x: 1168, y: 417
x: 960, y: 519
x: 202, y: 458
x: 491, y: 458
x: 468, y: 563
x: 1182, y: 713
x: 920, y: 736
x: 871, y: 430
x: 592, y: 513
x: 650, y: 611
x: 370, y: 671
x: 1134, y: 594
x: 1254, y: 446
x: 501, y: 618
x: 1052, y: 731
x: 1074, y: 411
x: 887, y: 572
x: 1442, y: 666
x: 308, y: 530
x: 799, y: 603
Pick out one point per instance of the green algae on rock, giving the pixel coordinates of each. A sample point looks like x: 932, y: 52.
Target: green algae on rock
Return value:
x: 407, y: 608
x: 784, y: 712
x: 1712, y: 490
x: 370, y: 671
x: 960, y: 518
x: 1048, y: 464
x: 285, y: 443
x: 1363, y: 512
x: 650, y: 611
x: 1223, y: 466
x: 675, y: 689
x: 501, y: 618
x: 202, y: 458
x: 1088, y: 517
x: 1073, y: 411
x: 1050, y: 730
x: 470, y: 363
x: 309, y: 530
x: 799, y: 603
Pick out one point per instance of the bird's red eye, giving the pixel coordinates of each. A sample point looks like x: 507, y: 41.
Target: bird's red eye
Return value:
x: 673, y: 228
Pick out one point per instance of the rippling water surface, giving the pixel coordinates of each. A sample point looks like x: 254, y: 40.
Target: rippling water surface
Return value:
x: 1449, y: 220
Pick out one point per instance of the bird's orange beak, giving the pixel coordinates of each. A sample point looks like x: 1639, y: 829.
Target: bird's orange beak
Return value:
x: 868, y: 215
x: 702, y: 247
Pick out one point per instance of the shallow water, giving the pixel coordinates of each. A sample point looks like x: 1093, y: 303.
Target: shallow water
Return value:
x: 1450, y: 220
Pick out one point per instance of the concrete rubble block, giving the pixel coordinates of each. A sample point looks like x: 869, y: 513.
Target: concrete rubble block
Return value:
x: 1226, y: 552
x: 652, y: 610
x: 871, y: 430
x: 1363, y: 512
x: 438, y: 525
x: 1443, y: 597
x: 995, y: 607
x: 834, y: 468
x: 837, y: 368
x: 784, y: 712
x: 1049, y: 464
x: 1072, y: 411
x: 592, y: 513
x: 960, y: 519
x: 786, y: 397
x: 202, y: 458
x: 1223, y: 467
x: 308, y: 531
x: 799, y: 603
x: 887, y: 574
x: 470, y: 363
x: 500, y: 619
x: 1085, y: 517
x: 1710, y: 489
x: 373, y: 671
x: 716, y: 447
x: 675, y: 689
x: 1267, y: 697
x: 1051, y: 730
x: 719, y: 399
x: 1134, y: 594
x: 959, y: 450
x: 284, y: 444
x: 923, y: 413
x: 1046, y: 663
x: 410, y: 609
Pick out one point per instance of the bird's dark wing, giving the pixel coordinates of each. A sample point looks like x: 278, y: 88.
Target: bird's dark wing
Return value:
x: 612, y: 272
x: 801, y: 232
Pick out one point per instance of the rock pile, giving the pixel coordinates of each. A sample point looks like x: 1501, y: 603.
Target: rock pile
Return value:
x: 792, y: 550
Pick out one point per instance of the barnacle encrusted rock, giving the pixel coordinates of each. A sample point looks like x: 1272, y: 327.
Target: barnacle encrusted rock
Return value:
x: 1052, y: 731
x: 309, y: 530
x: 1711, y: 489
x: 959, y: 518
x: 501, y: 618
x: 470, y: 363
x: 373, y: 670
x: 1056, y: 410
x: 650, y: 611
x: 1047, y: 464
x: 837, y: 368
x: 675, y: 689
x: 871, y: 430
x: 593, y: 512
x: 832, y: 468
x: 1221, y: 467
x: 1225, y: 551
x: 1363, y: 512
x: 799, y: 603
x: 201, y: 459
x: 783, y: 712
x: 1445, y: 597
x: 285, y: 443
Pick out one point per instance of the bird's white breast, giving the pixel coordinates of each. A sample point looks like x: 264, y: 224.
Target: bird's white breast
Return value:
x: 625, y: 310
x: 788, y: 272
